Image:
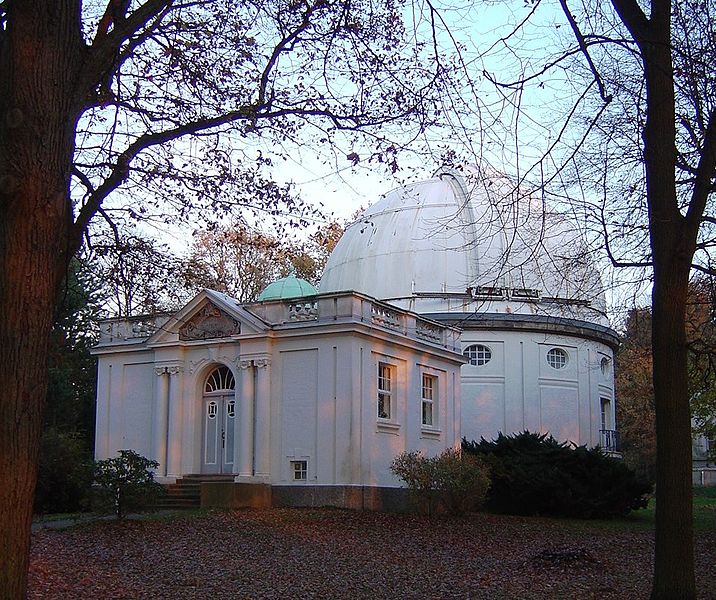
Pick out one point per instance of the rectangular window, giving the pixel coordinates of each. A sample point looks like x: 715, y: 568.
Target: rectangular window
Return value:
x: 606, y: 410
x: 299, y: 468
x: 385, y: 391
x: 429, y: 396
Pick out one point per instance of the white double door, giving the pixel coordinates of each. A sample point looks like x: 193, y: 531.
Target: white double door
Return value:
x: 218, y: 446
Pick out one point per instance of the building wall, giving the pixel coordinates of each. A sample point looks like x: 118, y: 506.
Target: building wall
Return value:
x: 518, y: 390
x: 323, y: 401
x: 325, y: 409
x: 125, y: 404
x: 303, y: 396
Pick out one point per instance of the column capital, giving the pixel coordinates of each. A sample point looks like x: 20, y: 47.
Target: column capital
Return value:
x: 262, y: 363
x: 170, y: 369
x: 244, y: 364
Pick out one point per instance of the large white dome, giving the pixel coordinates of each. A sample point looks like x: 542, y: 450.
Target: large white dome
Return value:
x: 467, y: 244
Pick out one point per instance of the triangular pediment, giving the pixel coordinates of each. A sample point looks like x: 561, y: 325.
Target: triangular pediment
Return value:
x: 210, y: 315
x: 209, y: 322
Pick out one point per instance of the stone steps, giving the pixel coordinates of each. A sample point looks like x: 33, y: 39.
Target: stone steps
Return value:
x: 186, y: 492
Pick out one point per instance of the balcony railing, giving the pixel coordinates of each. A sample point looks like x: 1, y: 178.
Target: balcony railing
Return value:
x: 609, y: 440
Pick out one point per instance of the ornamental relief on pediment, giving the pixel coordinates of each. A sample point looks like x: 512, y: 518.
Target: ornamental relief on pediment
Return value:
x: 208, y: 323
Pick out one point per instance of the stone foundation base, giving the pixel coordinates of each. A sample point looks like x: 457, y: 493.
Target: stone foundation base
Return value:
x: 227, y: 494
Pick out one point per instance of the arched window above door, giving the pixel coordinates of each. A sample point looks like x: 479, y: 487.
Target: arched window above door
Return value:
x: 219, y: 379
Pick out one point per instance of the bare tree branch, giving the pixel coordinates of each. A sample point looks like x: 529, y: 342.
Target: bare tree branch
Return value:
x: 703, y: 185
x: 607, y: 98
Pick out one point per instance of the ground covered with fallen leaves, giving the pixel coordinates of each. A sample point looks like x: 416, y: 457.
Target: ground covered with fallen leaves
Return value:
x: 309, y: 553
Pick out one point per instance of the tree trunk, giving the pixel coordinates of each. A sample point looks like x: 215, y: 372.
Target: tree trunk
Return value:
x: 38, y: 52
x: 673, y: 243
x: 674, y: 558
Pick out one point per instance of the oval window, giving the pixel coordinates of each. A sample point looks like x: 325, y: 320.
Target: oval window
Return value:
x: 477, y: 354
x: 212, y: 409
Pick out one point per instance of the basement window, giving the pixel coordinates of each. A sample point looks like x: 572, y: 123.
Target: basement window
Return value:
x: 299, y: 470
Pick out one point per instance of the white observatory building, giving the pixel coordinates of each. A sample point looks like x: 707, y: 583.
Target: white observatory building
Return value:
x: 451, y: 308
x: 518, y: 282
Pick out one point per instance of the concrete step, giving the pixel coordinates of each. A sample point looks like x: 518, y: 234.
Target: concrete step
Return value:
x: 183, y: 489
x: 185, y: 493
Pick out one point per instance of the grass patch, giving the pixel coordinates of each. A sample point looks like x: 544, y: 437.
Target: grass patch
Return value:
x: 705, y: 509
x: 645, y: 518
x: 704, y: 513
x: 62, y: 520
x: 51, y: 518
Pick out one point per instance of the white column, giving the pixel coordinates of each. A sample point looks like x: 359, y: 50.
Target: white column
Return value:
x: 161, y: 408
x: 263, y: 418
x: 174, y: 436
x: 246, y: 420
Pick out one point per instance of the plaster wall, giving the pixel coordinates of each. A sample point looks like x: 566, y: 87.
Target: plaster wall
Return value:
x: 125, y: 405
x: 302, y: 393
x: 518, y: 390
x: 325, y: 409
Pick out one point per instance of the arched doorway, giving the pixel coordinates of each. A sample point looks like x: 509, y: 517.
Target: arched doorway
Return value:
x: 219, y: 414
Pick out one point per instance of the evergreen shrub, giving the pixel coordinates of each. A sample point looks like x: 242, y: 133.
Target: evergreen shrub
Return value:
x: 534, y: 474
x: 64, y: 476
x: 126, y: 483
x: 451, y: 481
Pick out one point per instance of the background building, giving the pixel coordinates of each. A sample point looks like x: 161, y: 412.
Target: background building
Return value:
x: 475, y: 253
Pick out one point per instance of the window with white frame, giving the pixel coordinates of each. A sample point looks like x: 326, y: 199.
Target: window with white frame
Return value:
x: 386, y: 377
x: 299, y: 470
x: 429, y: 400
x: 477, y: 354
x: 557, y: 358
x: 605, y: 413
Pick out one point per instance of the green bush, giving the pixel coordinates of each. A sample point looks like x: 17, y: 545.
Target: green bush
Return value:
x: 452, y: 480
x: 64, y: 477
x: 127, y: 482
x: 533, y: 474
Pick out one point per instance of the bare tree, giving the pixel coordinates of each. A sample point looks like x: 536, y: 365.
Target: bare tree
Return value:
x: 633, y: 149
x: 236, y: 261
x: 99, y: 98
x: 137, y: 275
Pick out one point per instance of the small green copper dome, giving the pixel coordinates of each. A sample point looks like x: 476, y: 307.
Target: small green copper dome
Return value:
x: 287, y: 287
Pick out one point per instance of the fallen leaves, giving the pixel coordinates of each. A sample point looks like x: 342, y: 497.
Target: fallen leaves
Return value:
x: 309, y: 553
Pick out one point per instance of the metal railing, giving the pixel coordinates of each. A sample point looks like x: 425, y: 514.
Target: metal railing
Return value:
x: 609, y: 440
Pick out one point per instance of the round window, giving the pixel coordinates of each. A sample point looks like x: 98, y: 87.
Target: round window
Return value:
x: 604, y: 365
x: 477, y: 354
x: 557, y: 358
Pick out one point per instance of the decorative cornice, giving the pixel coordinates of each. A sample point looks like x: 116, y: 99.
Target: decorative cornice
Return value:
x: 532, y: 323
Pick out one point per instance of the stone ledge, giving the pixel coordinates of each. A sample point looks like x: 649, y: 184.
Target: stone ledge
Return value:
x: 256, y: 495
